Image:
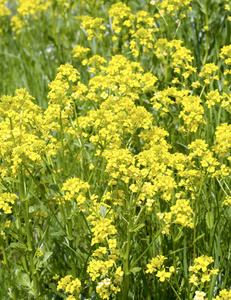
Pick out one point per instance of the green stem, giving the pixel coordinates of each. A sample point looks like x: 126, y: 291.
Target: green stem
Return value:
x: 8, y: 271
x: 202, y: 91
x: 81, y: 141
x: 63, y: 164
x: 30, y: 247
x: 166, y: 71
x: 24, y: 262
x: 23, y: 257
x: 127, y: 255
x: 178, y: 297
x: 207, y: 34
x: 156, y: 236
x: 185, y: 268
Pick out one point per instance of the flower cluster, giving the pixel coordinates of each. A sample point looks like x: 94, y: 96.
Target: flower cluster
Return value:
x: 171, y: 7
x: 23, y: 139
x: 6, y: 200
x: 28, y: 9
x: 201, y: 271
x: 4, y: 10
x: 93, y: 27
x: 223, y: 295
x: 70, y: 285
x: 101, y: 267
x: 157, y: 265
x: 199, y: 295
x: 208, y: 73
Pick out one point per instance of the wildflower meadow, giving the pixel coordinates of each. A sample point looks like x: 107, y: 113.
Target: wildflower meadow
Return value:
x: 115, y: 149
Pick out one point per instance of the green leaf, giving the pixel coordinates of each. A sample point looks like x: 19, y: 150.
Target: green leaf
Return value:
x: 11, y: 179
x: 199, y: 237
x: 23, y: 279
x: 3, y: 187
x: 31, y: 209
x: 179, y: 235
x: 53, y: 287
x: 103, y: 211
x: 46, y: 256
x: 54, y: 187
x: 209, y: 219
x: 135, y: 270
x: 18, y: 246
x: 136, y: 228
x: 58, y: 233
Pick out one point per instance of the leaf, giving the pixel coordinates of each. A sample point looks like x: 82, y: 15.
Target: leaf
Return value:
x: 18, y: 246
x: 46, y: 256
x: 179, y: 235
x: 53, y: 287
x: 23, y: 279
x: 58, y: 233
x: 54, y: 187
x: 13, y: 234
x: 209, y: 219
x: 11, y: 179
x: 103, y: 211
x: 199, y: 237
x: 3, y: 187
x: 31, y: 209
x: 136, y: 228
x: 135, y: 270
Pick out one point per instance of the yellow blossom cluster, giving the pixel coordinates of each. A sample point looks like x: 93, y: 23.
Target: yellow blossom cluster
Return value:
x: 201, y: 271
x: 192, y: 113
x: 208, y: 73
x: 70, y: 285
x: 223, y: 295
x: 192, y: 110
x: 121, y: 16
x: 227, y: 201
x: 225, y: 54
x: 222, y: 144
x: 171, y: 7
x: 181, y: 213
x: 4, y: 14
x: 104, y: 257
x: 199, y: 295
x: 27, y: 9
x: 60, y: 106
x: 200, y: 149
x: 102, y: 229
x: 80, y: 51
x: 4, y: 10
x: 6, y: 200
x: 105, y: 287
x: 93, y: 27
x: 157, y: 265
x: 75, y: 189
x: 23, y: 138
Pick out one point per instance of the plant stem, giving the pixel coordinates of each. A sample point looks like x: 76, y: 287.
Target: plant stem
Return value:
x: 25, y: 209
x: 178, y: 297
x: 8, y: 271
x: 127, y: 254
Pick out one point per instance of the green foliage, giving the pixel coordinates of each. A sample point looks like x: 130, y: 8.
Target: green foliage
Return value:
x: 115, y: 173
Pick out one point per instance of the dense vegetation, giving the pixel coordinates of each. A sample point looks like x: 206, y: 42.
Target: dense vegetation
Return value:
x: 115, y: 142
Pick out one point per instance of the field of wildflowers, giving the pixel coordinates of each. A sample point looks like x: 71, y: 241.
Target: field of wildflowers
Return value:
x: 115, y: 149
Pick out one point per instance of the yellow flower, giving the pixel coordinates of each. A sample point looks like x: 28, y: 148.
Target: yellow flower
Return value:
x: 163, y: 275
x: 199, y: 295
x: 194, y: 280
x: 156, y: 264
